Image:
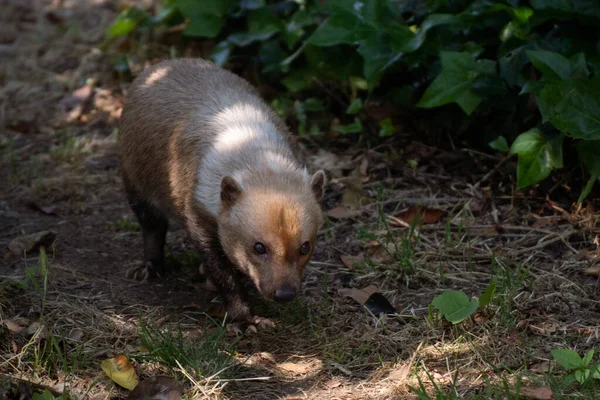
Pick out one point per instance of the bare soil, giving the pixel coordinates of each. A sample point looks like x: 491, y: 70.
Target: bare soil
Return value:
x: 59, y: 105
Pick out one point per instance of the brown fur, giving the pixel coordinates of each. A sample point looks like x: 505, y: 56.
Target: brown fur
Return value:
x: 165, y: 136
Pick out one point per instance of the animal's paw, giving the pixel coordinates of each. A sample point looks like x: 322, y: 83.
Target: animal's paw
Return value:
x: 142, y: 272
x: 260, y: 322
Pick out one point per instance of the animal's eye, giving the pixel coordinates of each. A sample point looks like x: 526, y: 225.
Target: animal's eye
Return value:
x: 259, y: 248
x: 305, y: 248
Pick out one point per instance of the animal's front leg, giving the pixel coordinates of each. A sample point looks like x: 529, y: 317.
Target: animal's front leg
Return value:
x: 223, y: 275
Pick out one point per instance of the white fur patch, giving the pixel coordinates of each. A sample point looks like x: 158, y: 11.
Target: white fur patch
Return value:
x: 155, y: 76
x: 243, y: 131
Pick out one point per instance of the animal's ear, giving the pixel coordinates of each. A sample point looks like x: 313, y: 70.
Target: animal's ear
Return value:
x: 317, y: 184
x: 230, y: 191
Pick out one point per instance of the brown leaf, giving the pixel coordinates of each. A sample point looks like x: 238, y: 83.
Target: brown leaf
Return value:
x: 541, y: 367
x: 350, y: 261
x: 537, y: 392
x: 359, y: 295
x: 593, y: 271
x: 380, y: 254
x: 342, y: 212
x: 400, y: 372
x: 78, y: 96
x: 32, y: 242
x: 12, y: 326
x: 296, y: 368
x: 364, y: 167
x: 424, y: 214
x: 353, y: 193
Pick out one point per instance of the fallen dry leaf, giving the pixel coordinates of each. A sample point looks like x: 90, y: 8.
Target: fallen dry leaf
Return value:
x: 536, y: 392
x: 425, y: 215
x: 13, y: 327
x: 76, y: 335
x: 359, y: 295
x: 541, y: 367
x: 31, y: 242
x: 353, y: 193
x: 120, y: 370
x: 77, y: 97
x: 380, y: 254
x: 593, y: 271
x: 342, y: 212
x: 350, y: 261
x: 400, y: 372
x: 296, y: 368
x: 157, y: 388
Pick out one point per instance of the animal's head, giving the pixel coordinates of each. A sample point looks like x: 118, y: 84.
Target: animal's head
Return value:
x: 269, y: 228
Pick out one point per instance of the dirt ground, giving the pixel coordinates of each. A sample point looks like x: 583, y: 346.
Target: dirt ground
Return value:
x: 59, y: 106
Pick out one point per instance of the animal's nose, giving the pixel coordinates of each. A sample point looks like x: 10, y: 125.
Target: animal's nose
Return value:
x: 284, y: 294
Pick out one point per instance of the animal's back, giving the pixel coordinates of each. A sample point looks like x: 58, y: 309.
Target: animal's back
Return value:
x: 187, y: 115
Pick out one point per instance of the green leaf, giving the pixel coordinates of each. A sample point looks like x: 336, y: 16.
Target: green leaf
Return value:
x: 126, y: 21
x: 588, y: 357
x: 204, y: 25
x: 294, y: 30
x: 486, y: 297
x: 569, y: 359
x: 570, y: 379
x: 402, y: 42
x: 455, y: 305
x: 573, y: 107
x: 378, y: 56
x: 206, y: 18
x: 587, y: 8
x: 595, y: 371
x: 355, y: 106
x: 220, y: 53
x: 552, y: 65
x: 511, y: 64
x: 499, y: 144
x: 262, y: 24
x: 537, y: 156
x: 339, y: 29
x: 588, y: 154
x: 355, y: 127
x: 579, y: 66
x: 453, y: 84
x: 386, y: 128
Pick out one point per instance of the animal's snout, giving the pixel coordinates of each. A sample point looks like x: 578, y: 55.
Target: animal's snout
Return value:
x: 284, y: 294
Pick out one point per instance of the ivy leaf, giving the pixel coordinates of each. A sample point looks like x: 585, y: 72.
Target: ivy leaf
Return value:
x: 339, y: 29
x: 500, y: 144
x: 206, y: 18
x: 453, y: 84
x: 579, y: 66
x: 262, y: 24
x: 378, y: 56
x: 455, y: 305
x: 588, y: 8
x: 588, y: 154
x: 402, y: 42
x: 387, y: 128
x: 552, y: 65
x: 537, y: 156
x: 355, y: 106
x: 573, y: 107
x: 126, y: 22
x: 511, y: 64
x: 220, y: 53
x: 355, y: 127
x: 567, y: 358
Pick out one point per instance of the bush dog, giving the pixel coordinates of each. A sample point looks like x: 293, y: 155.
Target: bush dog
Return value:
x: 198, y: 144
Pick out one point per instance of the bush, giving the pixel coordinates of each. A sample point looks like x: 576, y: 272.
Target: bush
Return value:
x: 521, y: 76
